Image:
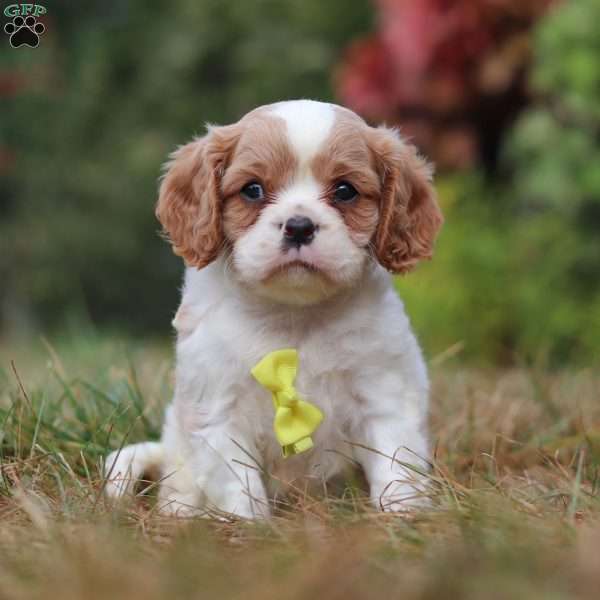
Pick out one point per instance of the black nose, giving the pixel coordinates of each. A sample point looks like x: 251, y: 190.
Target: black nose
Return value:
x: 299, y: 231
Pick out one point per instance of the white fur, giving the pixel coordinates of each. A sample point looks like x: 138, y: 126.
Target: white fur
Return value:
x: 308, y: 124
x: 359, y: 362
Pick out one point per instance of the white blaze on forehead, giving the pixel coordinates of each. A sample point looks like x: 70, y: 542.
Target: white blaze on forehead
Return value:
x: 308, y: 124
x: 302, y: 195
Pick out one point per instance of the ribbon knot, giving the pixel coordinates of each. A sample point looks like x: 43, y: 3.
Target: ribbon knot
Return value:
x: 295, y: 419
x: 287, y: 398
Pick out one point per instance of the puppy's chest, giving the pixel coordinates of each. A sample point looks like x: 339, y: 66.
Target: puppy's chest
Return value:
x: 215, y: 367
x: 325, y: 375
x: 320, y: 379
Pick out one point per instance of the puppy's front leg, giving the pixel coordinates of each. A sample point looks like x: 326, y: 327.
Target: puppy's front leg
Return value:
x: 391, y: 438
x: 225, y: 472
x: 393, y: 453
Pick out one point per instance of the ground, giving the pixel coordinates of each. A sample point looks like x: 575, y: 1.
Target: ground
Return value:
x: 515, y: 502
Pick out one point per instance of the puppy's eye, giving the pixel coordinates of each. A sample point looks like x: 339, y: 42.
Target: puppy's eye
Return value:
x: 253, y: 192
x: 344, y: 192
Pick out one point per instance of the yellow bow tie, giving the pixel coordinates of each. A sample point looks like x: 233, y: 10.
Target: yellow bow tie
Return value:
x: 295, y: 419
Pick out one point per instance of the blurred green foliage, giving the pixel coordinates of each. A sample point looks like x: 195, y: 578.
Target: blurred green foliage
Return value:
x: 89, y: 116
x: 554, y: 153
x: 517, y: 271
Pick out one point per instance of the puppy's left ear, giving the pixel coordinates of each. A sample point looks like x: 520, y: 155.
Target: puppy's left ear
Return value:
x: 410, y: 217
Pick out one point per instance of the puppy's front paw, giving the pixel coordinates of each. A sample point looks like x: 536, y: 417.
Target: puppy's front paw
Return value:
x: 239, y: 501
x: 400, y: 496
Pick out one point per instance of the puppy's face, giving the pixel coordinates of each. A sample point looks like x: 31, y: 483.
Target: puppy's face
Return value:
x: 299, y: 195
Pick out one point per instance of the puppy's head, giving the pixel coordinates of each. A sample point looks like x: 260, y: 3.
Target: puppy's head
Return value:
x: 299, y: 195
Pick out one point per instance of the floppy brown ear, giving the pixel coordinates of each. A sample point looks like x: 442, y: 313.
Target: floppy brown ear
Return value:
x: 410, y: 217
x: 189, y: 202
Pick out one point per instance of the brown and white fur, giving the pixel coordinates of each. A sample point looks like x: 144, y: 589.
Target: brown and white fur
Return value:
x: 248, y: 291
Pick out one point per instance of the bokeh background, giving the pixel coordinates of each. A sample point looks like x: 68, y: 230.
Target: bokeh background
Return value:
x: 503, y: 95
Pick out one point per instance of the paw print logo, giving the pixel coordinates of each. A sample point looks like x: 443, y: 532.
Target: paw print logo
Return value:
x: 24, y: 32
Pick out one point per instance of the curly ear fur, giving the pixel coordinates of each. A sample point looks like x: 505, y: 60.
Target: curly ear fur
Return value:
x: 410, y: 217
x: 189, y: 202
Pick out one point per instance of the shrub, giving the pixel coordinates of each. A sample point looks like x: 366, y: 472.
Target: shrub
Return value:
x: 517, y: 271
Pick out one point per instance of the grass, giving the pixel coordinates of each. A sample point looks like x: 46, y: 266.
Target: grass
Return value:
x: 515, y: 494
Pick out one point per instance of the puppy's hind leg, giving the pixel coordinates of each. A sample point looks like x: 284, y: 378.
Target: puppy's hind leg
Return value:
x: 123, y: 468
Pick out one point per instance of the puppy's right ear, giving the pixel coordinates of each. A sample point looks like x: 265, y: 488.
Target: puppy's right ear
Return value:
x: 189, y: 202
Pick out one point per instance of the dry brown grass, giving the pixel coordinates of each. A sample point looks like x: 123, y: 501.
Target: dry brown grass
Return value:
x: 515, y: 496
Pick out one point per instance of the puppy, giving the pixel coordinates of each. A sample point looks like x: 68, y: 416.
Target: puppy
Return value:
x: 290, y: 222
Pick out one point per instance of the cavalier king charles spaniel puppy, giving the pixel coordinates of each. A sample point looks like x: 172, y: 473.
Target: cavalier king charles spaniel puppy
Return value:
x: 291, y: 222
